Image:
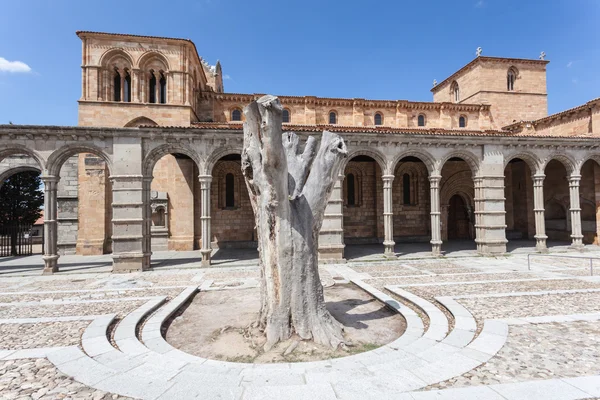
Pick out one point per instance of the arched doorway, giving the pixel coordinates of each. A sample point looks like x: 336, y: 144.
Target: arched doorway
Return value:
x: 232, y: 217
x: 363, y: 207
x: 557, y: 204
x: 589, y: 198
x: 411, y: 205
x: 459, y: 219
x: 457, y: 203
x: 173, y: 200
x: 519, y: 204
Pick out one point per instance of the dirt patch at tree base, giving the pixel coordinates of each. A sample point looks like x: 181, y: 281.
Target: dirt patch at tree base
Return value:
x: 218, y: 325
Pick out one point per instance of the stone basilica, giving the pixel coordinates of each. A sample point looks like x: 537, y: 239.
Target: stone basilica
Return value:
x: 154, y: 163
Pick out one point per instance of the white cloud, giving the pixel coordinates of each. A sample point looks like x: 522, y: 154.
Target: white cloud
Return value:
x: 226, y: 77
x: 575, y: 81
x: 479, y: 4
x: 13, y: 66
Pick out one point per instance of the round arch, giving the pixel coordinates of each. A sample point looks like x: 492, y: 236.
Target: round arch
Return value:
x: 471, y: 159
x: 531, y: 159
x: 113, y: 54
x: 59, y: 156
x: 586, y: 158
x: 140, y: 121
x: 565, y: 160
x: 13, y: 171
x: 422, y: 155
x: 152, y: 55
x: 460, y: 183
x: 217, y: 155
x: 160, y: 151
x: 17, y: 149
x: 374, y: 154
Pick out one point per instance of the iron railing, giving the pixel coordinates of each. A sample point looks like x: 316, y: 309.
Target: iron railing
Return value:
x: 562, y: 256
x: 15, y: 240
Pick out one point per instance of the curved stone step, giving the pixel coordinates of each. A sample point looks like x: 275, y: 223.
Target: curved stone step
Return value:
x: 140, y: 371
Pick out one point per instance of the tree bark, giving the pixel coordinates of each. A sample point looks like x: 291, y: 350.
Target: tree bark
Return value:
x: 289, y: 188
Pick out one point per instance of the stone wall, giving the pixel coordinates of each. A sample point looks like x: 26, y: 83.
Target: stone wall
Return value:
x: 175, y: 176
x: 354, y: 112
x: 68, y: 206
x: 94, y: 206
x: 556, y: 202
x: 231, y: 226
x: 518, y: 192
x: 484, y: 81
x: 412, y: 221
x: 363, y: 221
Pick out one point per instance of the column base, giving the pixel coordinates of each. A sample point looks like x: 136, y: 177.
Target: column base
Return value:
x: 331, y: 254
x: 132, y: 262
x: 540, y: 243
x: 436, y: 248
x: 492, y: 248
x: 389, y: 250
x: 50, y: 264
x: 206, y: 255
x: 578, y: 247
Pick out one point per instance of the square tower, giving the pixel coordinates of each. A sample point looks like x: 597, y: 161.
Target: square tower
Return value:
x: 514, y: 88
x: 131, y: 80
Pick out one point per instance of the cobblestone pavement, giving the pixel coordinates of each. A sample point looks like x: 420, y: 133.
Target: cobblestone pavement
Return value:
x: 39, y: 379
x: 39, y: 312
x: 539, y: 351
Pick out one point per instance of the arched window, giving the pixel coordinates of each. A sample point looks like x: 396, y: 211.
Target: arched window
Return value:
x: 236, y: 114
x: 421, y: 120
x: 455, y: 92
x: 378, y: 119
x: 511, y: 76
x: 117, y: 86
x: 332, y: 117
x: 351, y: 190
x: 158, y: 217
x: 229, y: 191
x: 152, y: 88
x: 127, y: 88
x: 462, y: 122
x: 286, y: 116
x: 406, y: 189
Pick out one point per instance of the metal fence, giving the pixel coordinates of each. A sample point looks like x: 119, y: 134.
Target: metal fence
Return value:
x: 15, y: 240
x: 591, y: 260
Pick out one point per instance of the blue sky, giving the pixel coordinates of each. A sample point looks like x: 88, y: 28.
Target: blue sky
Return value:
x: 379, y: 49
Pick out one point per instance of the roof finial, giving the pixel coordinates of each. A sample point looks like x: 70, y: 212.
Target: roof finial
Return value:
x: 479, y: 50
x: 542, y: 56
x: 434, y: 83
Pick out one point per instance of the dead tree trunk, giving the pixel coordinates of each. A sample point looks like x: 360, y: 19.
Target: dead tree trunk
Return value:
x: 289, y: 188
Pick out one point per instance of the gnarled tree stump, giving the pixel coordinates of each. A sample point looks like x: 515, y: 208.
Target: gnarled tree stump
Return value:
x: 289, y: 188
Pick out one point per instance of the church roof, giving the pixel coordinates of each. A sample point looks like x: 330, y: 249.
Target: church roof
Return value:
x: 481, y: 59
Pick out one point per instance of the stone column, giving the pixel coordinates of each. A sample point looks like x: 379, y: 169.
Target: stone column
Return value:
x: 147, y: 217
x: 576, y: 234
x: 130, y: 194
x: 477, y: 199
x: 50, y: 224
x: 122, y: 75
x: 135, y: 85
x: 436, y: 225
x: 331, y: 235
x: 388, y: 217
x: 490, y: 216
x: 157, y: 88
x: 540, y: 223
x: 205, y: 182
